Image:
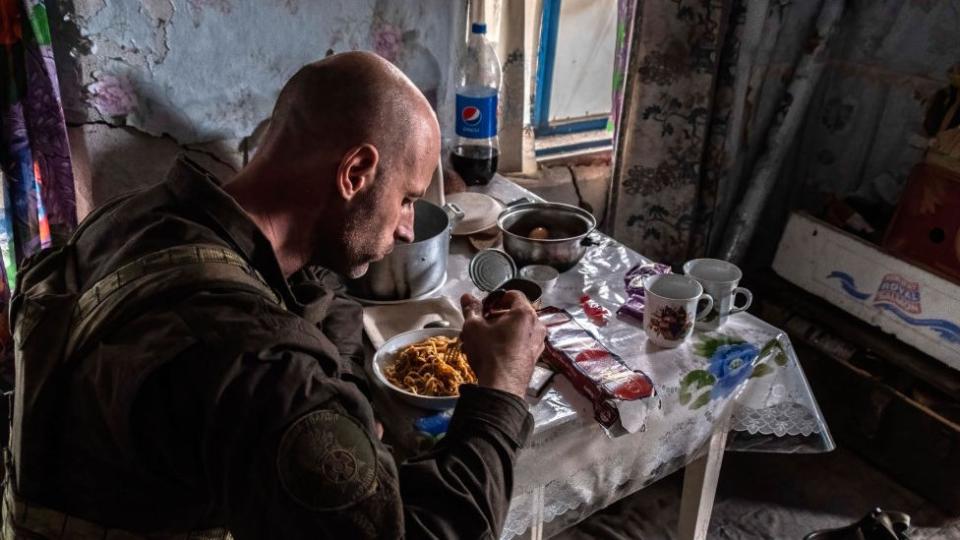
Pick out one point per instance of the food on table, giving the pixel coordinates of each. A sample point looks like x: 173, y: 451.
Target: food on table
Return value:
x: 539, y: 233
x: 618, y: 393
x: 485, y: 239
x: 597, y: 314
x: 633, y: 282
x: 433, y: 367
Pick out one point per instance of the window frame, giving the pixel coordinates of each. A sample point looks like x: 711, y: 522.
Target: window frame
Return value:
x: 546, y: 58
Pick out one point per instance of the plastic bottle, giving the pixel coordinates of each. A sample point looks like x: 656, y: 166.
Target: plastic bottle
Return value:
x: 476, y: 148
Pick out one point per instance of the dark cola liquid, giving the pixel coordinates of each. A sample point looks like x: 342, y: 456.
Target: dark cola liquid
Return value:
x: 475, y: 164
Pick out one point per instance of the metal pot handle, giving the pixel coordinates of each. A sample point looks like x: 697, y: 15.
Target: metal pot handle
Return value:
x: 587, y: 241
x: 454, y: 212
x: 521, y: 200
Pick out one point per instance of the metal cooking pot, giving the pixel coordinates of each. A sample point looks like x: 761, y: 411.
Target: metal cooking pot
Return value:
x: 567, y: 228
x: 412, y: 270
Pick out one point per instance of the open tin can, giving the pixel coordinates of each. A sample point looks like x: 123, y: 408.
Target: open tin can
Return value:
x: 493, y: 269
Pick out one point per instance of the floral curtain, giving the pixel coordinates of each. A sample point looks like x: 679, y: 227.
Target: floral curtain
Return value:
x: 37, y: 206
x: 715, y: 92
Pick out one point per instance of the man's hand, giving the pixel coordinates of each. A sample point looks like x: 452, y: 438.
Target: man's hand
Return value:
x: 503, y: 348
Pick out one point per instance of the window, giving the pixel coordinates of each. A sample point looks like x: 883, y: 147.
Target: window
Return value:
x: 574, y: 74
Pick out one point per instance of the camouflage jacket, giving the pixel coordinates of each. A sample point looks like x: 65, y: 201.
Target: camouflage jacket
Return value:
x: 220, y: 408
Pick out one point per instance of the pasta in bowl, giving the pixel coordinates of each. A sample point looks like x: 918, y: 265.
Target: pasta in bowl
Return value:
x: 424, y: 367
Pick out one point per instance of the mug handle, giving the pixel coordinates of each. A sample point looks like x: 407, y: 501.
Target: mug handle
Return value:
x: 747, y: 294
x: 701, y: 313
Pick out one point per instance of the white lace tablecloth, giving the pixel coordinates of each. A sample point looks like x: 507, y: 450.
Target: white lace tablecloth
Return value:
x: 745, y: 375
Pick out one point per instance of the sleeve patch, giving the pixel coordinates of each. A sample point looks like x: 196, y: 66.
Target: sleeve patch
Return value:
x: 327, y: 461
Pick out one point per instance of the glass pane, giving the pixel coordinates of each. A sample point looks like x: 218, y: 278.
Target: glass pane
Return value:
x: 583, y: 66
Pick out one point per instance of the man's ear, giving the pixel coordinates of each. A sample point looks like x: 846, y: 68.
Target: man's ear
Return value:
x: 357, y: 170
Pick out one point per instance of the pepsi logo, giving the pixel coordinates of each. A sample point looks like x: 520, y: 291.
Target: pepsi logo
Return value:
x: 470, y: 115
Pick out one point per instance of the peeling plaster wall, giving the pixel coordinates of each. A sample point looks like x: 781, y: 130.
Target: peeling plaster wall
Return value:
x: 143, y: 80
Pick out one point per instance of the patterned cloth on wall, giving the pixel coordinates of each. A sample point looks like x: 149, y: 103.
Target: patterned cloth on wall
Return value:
x: 37, y: 205
x: 716, y: 91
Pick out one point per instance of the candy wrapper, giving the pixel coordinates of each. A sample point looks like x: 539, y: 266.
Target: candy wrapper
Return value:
x: 633, y: 280
x: 620, y: 396
x: 597, y: 314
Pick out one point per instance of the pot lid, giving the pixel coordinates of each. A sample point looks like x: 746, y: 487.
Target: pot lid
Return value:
x: 480, y: 212
x: 490, y: 268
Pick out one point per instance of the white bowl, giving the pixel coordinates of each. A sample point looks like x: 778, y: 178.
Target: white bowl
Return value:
x: 389, y: 350
x: 541, y: 274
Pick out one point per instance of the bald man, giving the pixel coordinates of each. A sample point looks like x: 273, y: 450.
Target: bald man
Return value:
x: 212, y: 383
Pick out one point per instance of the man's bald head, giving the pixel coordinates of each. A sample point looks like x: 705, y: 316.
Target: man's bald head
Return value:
x: 351, y: 144
x: 347, y: 99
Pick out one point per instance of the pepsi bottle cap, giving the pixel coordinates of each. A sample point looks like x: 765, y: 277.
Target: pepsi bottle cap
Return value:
x: 479, y: 28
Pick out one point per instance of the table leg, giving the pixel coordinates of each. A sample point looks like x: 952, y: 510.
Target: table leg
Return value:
x: 700, y: 488
x: 536, y: 514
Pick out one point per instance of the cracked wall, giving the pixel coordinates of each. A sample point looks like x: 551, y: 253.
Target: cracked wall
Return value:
x: 145, y: 80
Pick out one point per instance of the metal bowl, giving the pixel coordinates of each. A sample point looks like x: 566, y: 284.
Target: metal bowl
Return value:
x: 388, y: 351
x: 412, y: 270
x: 567, y: 227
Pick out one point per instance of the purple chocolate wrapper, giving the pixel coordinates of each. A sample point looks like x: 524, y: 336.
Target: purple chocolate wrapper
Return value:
x: 634, y: 277
x: 634, y: 287
x: 632, y: 308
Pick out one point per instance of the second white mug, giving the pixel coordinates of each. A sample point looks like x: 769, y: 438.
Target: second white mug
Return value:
x: 719, y: 279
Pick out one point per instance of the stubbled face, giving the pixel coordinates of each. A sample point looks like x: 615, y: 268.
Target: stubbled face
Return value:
x: 365, y: 228
x: 383, y: 215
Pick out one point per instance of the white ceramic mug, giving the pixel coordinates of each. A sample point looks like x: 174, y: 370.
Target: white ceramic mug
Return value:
x: 719, y: 279
x: 672, y: 307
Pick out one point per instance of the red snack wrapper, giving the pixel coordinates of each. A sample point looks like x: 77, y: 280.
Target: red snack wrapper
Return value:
x: 619, y: 394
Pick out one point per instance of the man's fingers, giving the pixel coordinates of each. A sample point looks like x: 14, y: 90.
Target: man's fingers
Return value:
x: 513, y: 299
x: 471, y: 307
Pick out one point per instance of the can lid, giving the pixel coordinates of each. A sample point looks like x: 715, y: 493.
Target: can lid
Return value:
x: 478, y: 28
x: 490, y: 268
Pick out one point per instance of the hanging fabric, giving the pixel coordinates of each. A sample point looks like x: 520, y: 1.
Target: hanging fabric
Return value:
x: 702, y: 104
x: 37, y: 207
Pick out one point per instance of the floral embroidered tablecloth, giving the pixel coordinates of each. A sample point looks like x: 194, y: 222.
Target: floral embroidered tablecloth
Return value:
x: 744, y: 376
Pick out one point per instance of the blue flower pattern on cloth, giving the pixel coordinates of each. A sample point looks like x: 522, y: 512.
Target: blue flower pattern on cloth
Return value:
x: 730, y: 362
x: 731, y: 365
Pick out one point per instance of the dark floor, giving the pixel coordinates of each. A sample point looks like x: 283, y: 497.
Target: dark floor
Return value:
x: 773, y: 496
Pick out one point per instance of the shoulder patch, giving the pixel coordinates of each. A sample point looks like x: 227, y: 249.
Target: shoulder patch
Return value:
x: 327, y: 461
